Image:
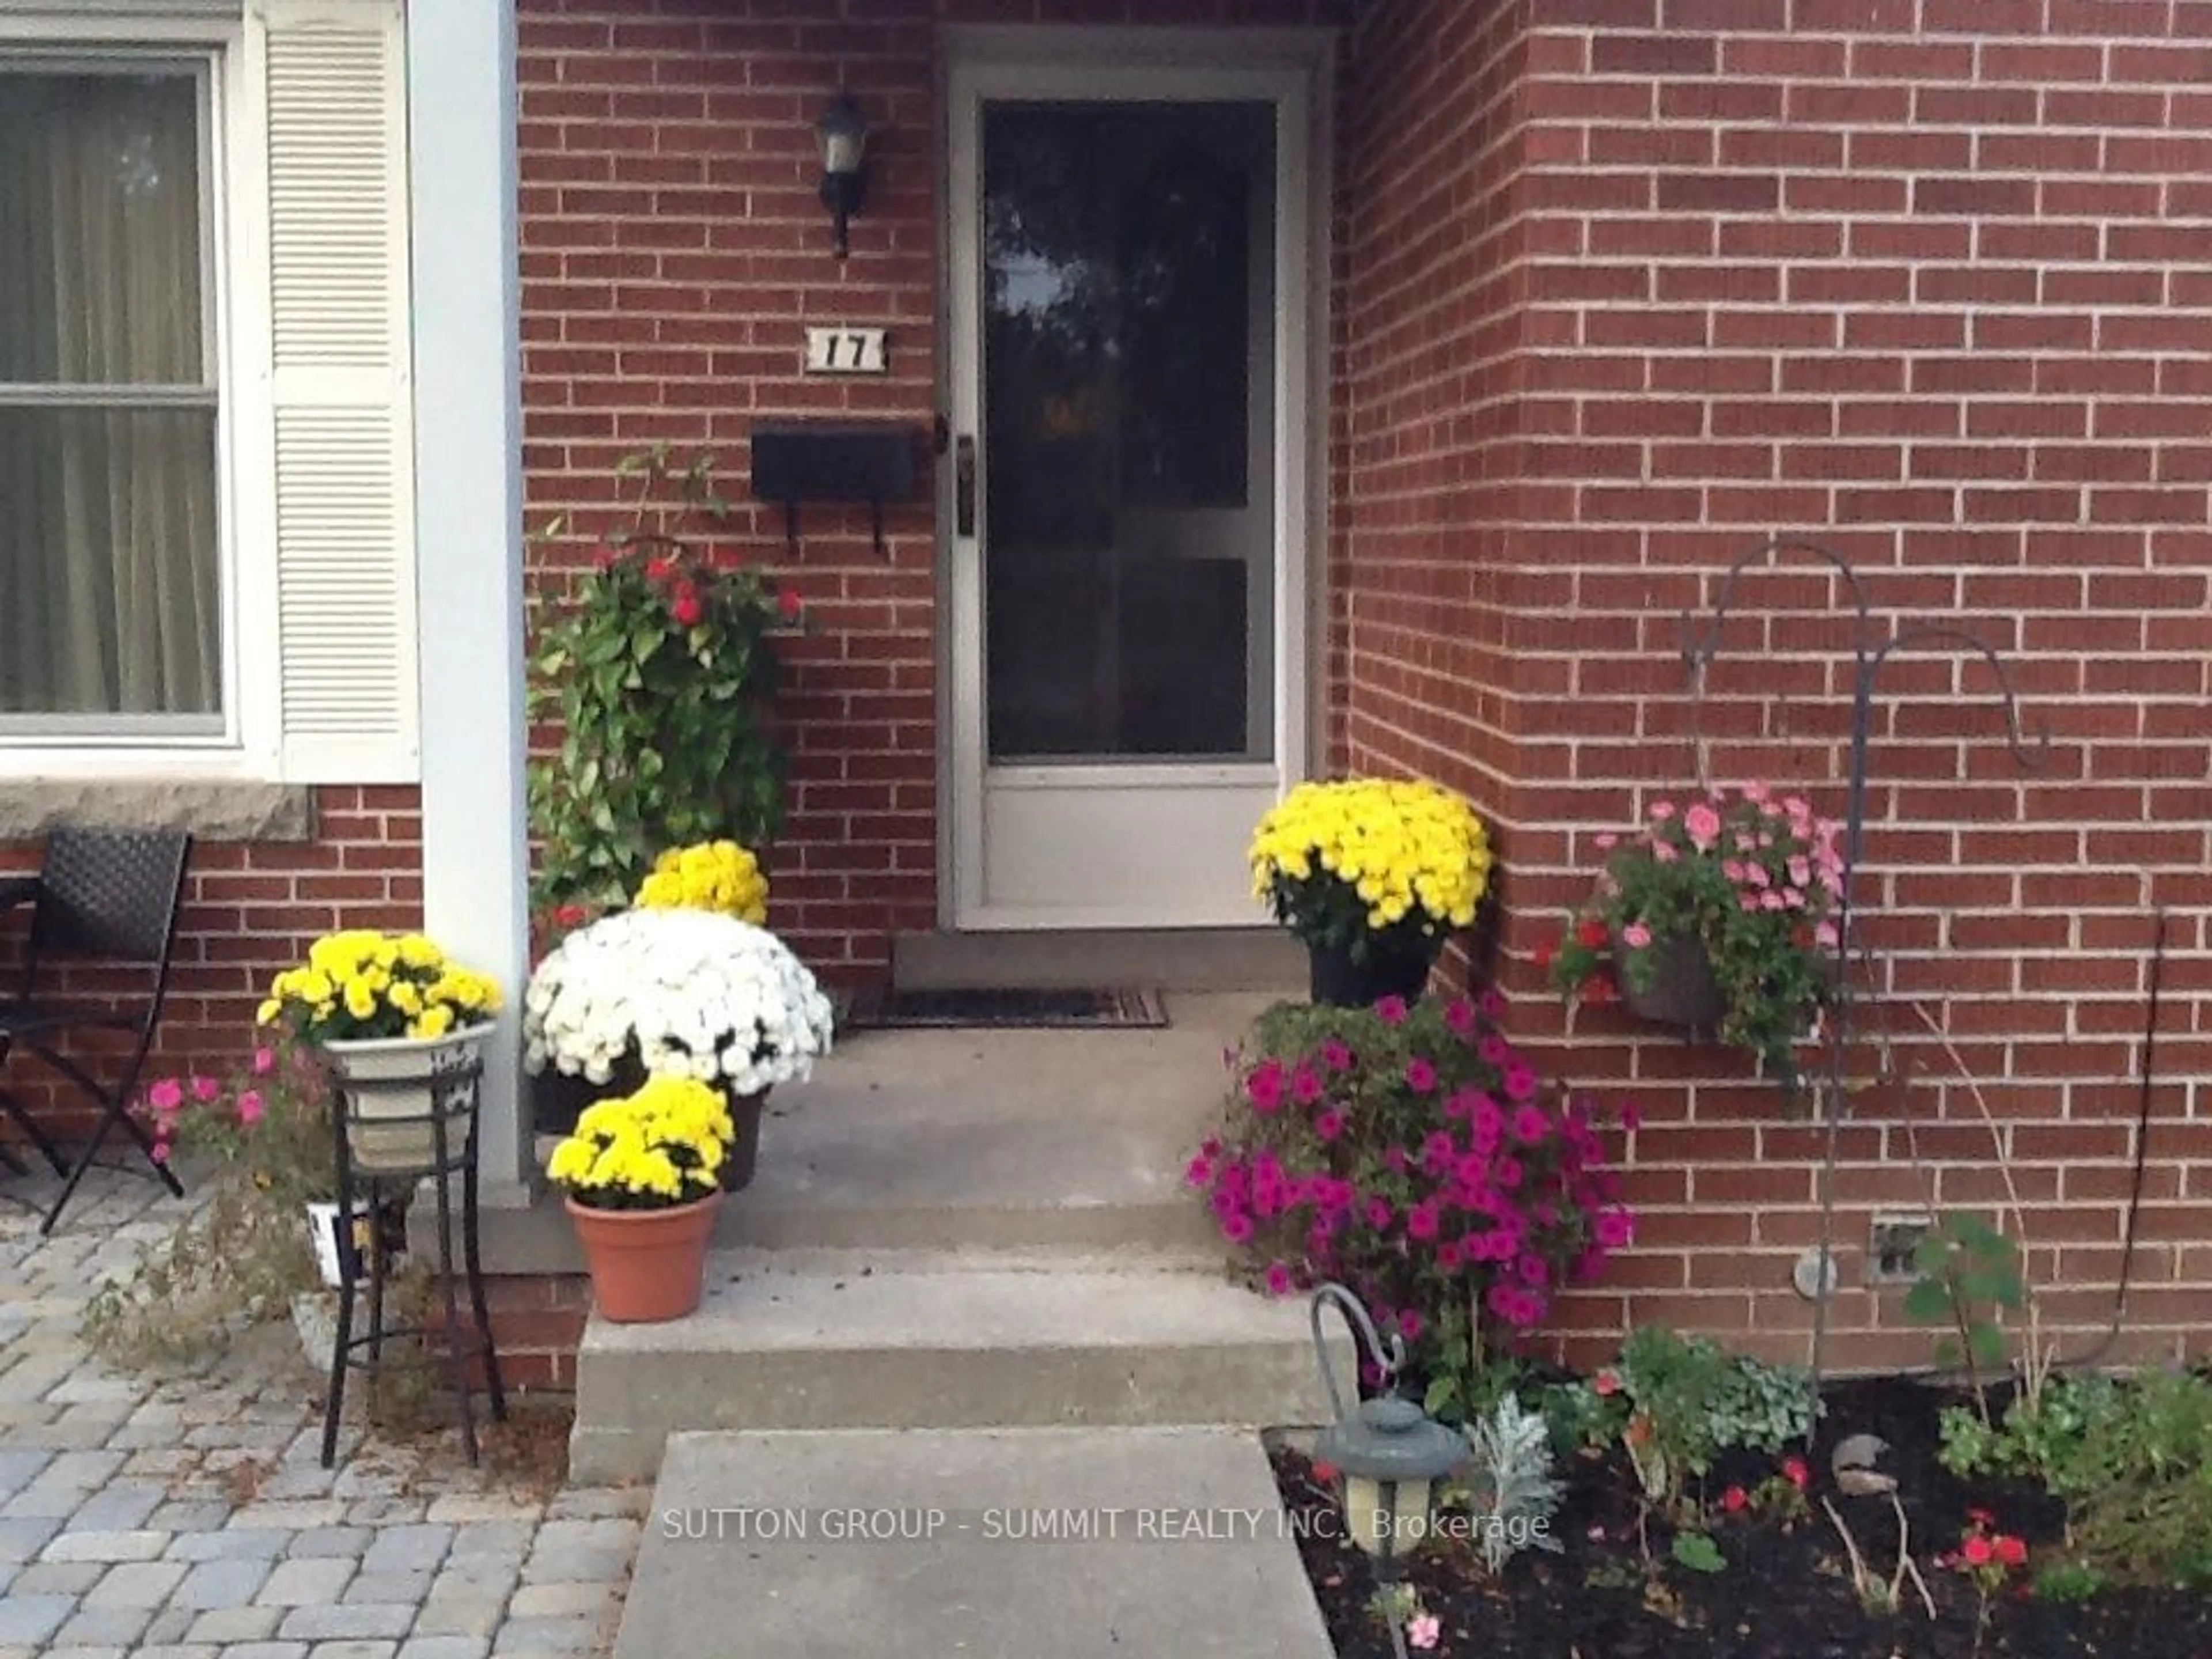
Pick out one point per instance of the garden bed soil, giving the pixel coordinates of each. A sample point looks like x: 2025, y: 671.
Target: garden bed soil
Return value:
x: 1784, y: 1594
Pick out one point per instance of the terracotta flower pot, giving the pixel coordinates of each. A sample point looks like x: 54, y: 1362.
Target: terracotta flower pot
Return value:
x: 647, y: 1264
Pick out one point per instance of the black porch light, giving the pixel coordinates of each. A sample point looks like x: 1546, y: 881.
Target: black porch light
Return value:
x: 843, y: 134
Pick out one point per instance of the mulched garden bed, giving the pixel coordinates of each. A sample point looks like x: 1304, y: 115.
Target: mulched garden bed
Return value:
x: 1784, y: 1595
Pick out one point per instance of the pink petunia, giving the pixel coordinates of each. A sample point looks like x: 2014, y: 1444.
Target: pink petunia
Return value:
x: 1801, y: 870
x: 1826, y: 934
x: 167, y: 1095
x: 250, y: 1106
x: 1663, y: 853
x: 1662, y: 809
x: 1703, y: 826
x: 1755, y: 792
x: 1607, y: 842
x: 1770, y: 900
x: 264, y: 1061
x: 1636, y: 936
x: 205, y: 1088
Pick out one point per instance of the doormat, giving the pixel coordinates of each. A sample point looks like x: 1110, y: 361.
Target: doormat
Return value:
x: 987, y: 1008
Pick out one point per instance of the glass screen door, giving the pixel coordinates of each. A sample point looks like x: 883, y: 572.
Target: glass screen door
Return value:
x: 1122, y: 494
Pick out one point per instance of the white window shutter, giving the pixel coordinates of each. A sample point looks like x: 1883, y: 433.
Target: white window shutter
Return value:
x: 340, y: 388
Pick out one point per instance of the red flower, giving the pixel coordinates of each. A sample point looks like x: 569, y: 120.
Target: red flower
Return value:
x: 1324, y: 1471
x: 686, y: 608
x: 2010, y: 1550
x: 1976, y: 1550
x: 606, y: 558
x: 1607, y: 1382
x: 1544, y: 954
x: 1600, y: 989
x: 1981, y: 1517
x: 1734, y: 1499
x: 790, y: 604
x: 1794, y: 1471
x: 659, y: 570
x: 1591, y: 933
x: 568, y: 915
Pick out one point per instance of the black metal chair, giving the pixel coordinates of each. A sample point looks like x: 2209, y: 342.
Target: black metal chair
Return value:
x: 103, y: 899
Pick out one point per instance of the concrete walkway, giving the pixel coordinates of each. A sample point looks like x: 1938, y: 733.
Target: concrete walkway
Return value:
x: 188, y: 1519
x: 1081, y: 1544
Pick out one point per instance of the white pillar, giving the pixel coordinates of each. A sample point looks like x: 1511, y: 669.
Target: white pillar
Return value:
x: 467, y: 315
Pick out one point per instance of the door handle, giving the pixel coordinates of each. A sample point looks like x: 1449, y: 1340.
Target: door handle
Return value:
x: 963, y: 486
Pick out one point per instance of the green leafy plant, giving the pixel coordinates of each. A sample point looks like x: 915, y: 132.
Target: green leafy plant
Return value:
x: 660, y: 673
x: 1697, y: 1552
x: 1752, y: 880
x: 1510, y: 1493
x: 2068, y: 1582
x: 1969, y: 1273
x: 1674, y: 1403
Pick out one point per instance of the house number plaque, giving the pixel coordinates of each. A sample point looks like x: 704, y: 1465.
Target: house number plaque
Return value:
x: 845, y: 351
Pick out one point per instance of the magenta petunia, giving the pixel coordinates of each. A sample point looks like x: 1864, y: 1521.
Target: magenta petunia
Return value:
x: 166, y: 1095
x: 1279, y: 1279
x: 1391, y: 1011
x: 1632, y: 1116
x: 1378, y: 1212
x: 1615, y: 1228
x: 1448, y: 1256
x: 1459, y: 1016
x: 1200, y: 1171
x: 1329, y: 1125
x: 1491, y: 1005
x: 1420, y: 1075
x: 1530, y: 1124
x: 1493, y: 1050
x: 1421, y: 1222
x: 1506, y: 1172
x: 1236, y: 1228
x: 1305, y: 1085
x: 1265, y: 1087
x: 1439, y: 1149
x: 1519, y: 1081
x: 1459, y: 1102
x: 1336, y: 1055
x: 1410, y: 1324
x: 1529, y: 1269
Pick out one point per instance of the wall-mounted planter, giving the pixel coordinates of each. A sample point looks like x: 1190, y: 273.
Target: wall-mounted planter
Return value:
x: 1682, y: 991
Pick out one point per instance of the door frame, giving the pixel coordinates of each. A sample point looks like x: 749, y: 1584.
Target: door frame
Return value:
x: 1288, y: 69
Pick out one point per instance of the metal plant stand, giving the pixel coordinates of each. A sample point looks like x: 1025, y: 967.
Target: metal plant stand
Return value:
x: 363, y: 1195
x: 1872, y: 650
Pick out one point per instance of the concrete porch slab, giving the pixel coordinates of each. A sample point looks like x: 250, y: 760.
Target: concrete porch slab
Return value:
x: 1227, y: 1581
x: 971, y: 1140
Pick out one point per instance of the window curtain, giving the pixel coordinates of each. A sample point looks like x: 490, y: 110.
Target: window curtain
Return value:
x: 110, y: 590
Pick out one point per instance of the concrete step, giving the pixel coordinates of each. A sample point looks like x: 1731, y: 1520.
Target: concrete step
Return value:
x: 1175, y: 959
x: 911, y: 1339
x: 956, y: 1140
x: 1185, y: 1554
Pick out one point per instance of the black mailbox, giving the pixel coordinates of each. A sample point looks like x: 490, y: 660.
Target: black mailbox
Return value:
x: 797, y: 462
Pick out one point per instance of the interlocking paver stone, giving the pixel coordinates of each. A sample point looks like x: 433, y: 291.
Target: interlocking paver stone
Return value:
x: 141, y: 1545
x: 227, y: 1624
x: 109, y: 1625
x: 29, y: 1620
x: 186, y: 1515
x: 138, y: 1584
x: 306, y: 1583
x: 226, y: 1583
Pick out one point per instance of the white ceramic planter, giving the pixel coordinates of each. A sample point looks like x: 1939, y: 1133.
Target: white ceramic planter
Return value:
x: 390, y: 1089
x: 323, y: 1237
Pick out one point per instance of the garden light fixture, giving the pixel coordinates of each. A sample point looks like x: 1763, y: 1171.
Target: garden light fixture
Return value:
x: 1391, y: 1453
x: 843, y: 134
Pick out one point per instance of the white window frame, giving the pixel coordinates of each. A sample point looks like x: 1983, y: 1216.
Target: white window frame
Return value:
x: 248, y: 746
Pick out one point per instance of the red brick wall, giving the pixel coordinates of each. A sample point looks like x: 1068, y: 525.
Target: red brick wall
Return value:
x: 673, y: 251
x: 1922, y: 280
x: 251, y: 910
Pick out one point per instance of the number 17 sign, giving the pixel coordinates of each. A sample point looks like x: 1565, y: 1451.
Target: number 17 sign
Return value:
x: 844, y: 351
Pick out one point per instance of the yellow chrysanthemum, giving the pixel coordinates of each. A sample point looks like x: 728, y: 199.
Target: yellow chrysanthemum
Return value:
x: 715, y: 875
x: 1402, y: 848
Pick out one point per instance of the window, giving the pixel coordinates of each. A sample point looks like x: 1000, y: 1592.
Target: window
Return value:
x: 110, y: 559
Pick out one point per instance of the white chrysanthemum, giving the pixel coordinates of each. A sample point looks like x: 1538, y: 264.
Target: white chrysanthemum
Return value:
x: 692, y: 993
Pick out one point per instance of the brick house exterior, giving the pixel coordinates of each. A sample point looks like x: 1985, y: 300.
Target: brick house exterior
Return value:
x: 1617, y: 290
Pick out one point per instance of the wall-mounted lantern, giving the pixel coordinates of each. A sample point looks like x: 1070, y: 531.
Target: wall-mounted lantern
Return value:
x: 843, y: 133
